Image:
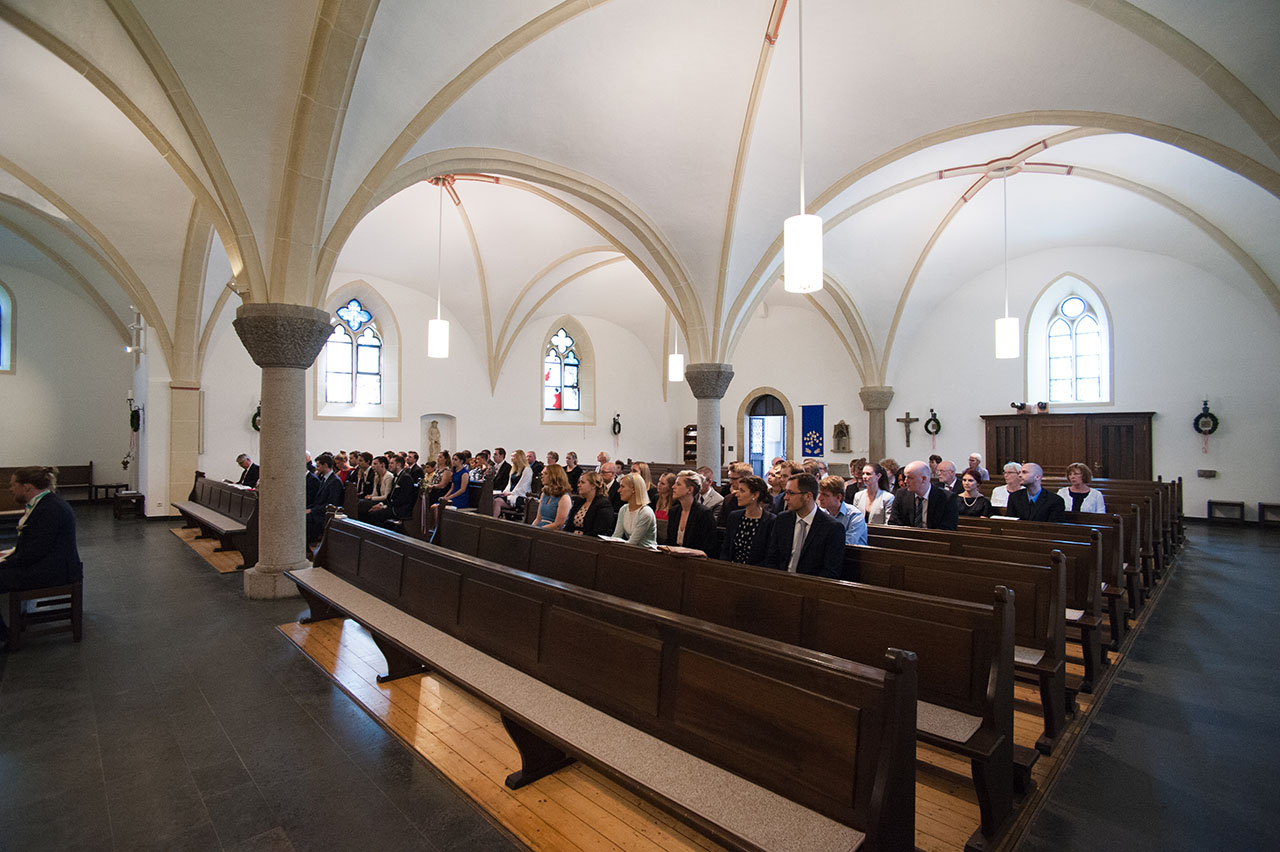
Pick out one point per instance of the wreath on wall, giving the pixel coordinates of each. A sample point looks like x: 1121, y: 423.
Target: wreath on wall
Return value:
x: 933, y: 425
x: 135, y: 419
x: 1206, y: 422
x: 256, y: 420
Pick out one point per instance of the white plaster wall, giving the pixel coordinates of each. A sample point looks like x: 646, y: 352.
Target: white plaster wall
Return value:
x: 1180, y: 336
x: 232, y: 386
x: 65, y: 403
x: 796, y: 351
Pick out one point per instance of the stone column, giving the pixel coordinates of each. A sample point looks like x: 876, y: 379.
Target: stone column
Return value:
x: 875, y: 399
x: 708, y: 383
x: 284, y: 341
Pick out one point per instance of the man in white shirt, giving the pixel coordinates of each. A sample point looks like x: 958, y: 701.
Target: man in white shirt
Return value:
x: 947, y: 477
x: 804, y: 540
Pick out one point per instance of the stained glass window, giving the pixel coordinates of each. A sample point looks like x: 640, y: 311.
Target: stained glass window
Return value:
x: 560, y: 365
x: 353, y: 357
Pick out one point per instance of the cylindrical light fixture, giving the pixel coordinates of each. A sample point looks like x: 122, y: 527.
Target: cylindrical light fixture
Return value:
x: 675, y: 361
x: 438, y: 329
x: 1008, y: 340
x: 802, y: 253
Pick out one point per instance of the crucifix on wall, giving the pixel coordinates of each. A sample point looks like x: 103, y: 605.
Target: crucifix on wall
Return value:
x: 906, y: 424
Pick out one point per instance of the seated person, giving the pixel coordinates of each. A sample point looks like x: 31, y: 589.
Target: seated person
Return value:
x: 382, y: 482
x: 921, y: 503
x: 689, y: 523
x: 875, y: 499
x: 45, y: 553
x: 805, y: 540
x: 651, y: 490
x: 636, y: 523
x: 328, y: 492
x: 591, y: 514
x: 746, y: 535
x: 519, y: 481
x: 457, y: 494
x: 662, y: 507
x: 1012, y: 482
x: 399, y: 503
x: 249, y: 474
x: 831, y: 500
x: 1078, y: 494
x: 973, y: 504
x: 1032, y: 502
x: 555, y: 502
x: 442, y: 482
x: 709, y: 496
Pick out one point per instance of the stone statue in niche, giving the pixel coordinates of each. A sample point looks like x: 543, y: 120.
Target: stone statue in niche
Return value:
x: 433, y: 439
x: 840, y: 436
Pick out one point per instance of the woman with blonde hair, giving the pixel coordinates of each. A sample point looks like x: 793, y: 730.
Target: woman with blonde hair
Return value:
x: 662, y: 506
x: 689, y: 523
x: 520, y: 482
x: 642, y: 468
x: 555, y: 502
x: 636, y: 523
x: 1078, y: 496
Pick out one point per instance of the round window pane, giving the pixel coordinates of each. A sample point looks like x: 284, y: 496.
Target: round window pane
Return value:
x: 1073, y: 307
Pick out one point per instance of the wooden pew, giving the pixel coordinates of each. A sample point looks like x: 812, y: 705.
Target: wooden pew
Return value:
x: 1081, y: 563
x: 965, y: 651
x: 803, y: 728
x: 1105, y: 533
x: 73, y: 479
x: 226, y: 512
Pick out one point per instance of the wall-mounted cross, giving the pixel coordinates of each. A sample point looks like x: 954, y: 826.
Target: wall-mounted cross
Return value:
x: 906, y: 424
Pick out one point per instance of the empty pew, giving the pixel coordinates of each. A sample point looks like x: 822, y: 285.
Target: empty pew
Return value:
x: 670, y: 706
x: 226, y: 512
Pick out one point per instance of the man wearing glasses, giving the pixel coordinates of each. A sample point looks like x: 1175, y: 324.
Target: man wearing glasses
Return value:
x: 804, y: 540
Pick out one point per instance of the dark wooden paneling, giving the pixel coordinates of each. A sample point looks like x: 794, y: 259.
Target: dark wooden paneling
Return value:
x: 342, y: 552
x: 430, y: 592
x: 509, y: 547
x: 572, y: 561
x: 1113, y: 444
x: 618, y: 666
x: 498, y: 620
x: 458, y: 537
x: 1055, y: 441
x: 638, y: 579
x: 765, y: 612
x: 380, y: 569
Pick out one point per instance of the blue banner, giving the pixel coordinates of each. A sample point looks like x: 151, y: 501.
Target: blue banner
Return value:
x: 811, y: 430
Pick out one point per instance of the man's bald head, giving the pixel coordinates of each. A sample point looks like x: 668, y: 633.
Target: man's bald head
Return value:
x: 917, y: 478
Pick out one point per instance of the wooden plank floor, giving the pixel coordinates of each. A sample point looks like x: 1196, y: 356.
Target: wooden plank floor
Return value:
x: 224, y: 562
x: 578, y: 809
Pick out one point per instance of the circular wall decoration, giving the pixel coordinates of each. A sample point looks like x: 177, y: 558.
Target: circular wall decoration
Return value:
x: 1206, y: 422
x: 933, y: 425
x: 256, y: 420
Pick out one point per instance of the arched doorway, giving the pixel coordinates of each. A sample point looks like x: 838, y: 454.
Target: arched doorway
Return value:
x: 766, y: 431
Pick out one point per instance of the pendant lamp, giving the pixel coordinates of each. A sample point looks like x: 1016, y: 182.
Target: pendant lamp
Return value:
x: 802, y: 233
x: 438, y: 328
x: 1008, y: 338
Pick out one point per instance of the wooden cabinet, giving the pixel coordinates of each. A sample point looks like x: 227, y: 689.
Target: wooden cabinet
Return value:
x: 690, y: 441
x: 1114, y: 445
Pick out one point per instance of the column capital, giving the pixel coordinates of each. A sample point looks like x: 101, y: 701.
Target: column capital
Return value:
x: 708, y: 381
x: 278, y: 335
x: 876, y: 397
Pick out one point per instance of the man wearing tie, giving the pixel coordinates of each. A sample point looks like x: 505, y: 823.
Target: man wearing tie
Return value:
x: 248, y: 476
x: 804, y: 540
x: 924, y: 504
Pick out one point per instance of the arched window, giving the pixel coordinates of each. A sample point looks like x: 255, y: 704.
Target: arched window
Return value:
x: 560, y: 390
x: 1069, y: 345
x: 567, y: 378
x: 1075, y: 347
x: 7, y: 351
x: 353, y: 358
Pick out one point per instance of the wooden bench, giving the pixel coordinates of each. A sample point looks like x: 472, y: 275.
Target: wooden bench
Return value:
x: 73, y: 479
x: 50, y: 605
x: 965, y: 650
x: 226, y: 512
x: 1082, y: 608
x: 1039, y: 630
x: 759, y: 744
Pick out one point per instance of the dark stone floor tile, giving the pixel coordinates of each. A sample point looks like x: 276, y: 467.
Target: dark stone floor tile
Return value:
x: 275, y: 840
x: 218, y: 778
x: 73, y: 818
x: 240, y: 813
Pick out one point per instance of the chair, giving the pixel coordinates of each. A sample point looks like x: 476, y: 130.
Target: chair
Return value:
x: 51, y: 604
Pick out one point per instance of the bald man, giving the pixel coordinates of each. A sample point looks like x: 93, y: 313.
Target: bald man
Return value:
x: 923, y: 504
x: 1033, y: 503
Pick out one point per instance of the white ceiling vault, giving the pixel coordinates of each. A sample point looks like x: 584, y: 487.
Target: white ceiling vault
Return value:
x: 626, y: 158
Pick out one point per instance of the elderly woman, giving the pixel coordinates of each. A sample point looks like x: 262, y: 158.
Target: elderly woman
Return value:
x: 875, y: 500
x: 1078, y: 496
x: 555, y: 502
x: 689, y: 523
x: 592, y: 514
x: 1012, y: 483
x: 636, y: 523
x: 746, y: 536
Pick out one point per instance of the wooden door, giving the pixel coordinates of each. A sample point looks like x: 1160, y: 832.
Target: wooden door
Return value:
x: 1055, y: 441
x: 1119, y: 445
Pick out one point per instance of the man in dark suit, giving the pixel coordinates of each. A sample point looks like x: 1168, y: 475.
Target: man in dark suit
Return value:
x: 532, y: 456
x: 805, y: 540
x: 609, y: 484
x: 328, y: 492
x: 1033, y: 503
x: 924, y: 504
x: 502, y: 472
x: 947, y: 477
x: 415, y: 469
x: 45, y: 554
x: 248, y: 476
x: 399, y: 505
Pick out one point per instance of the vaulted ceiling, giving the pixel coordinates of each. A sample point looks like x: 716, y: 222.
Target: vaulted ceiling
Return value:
x: 627, y: 158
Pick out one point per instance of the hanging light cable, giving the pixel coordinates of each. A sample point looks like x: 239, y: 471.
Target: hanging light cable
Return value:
x: 802, y: 234
x: 1008, y: 339
x: 438, y: 328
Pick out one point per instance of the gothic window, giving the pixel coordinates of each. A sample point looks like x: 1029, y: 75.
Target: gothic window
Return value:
x: 560, y: 368
x: 6, y: 330
x: 1074, y: 347
x: 353, y: 357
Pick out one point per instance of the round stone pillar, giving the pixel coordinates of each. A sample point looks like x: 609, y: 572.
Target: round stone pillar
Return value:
x: 875, y: 399
x: 708, y: 383
x: 284, y: 341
